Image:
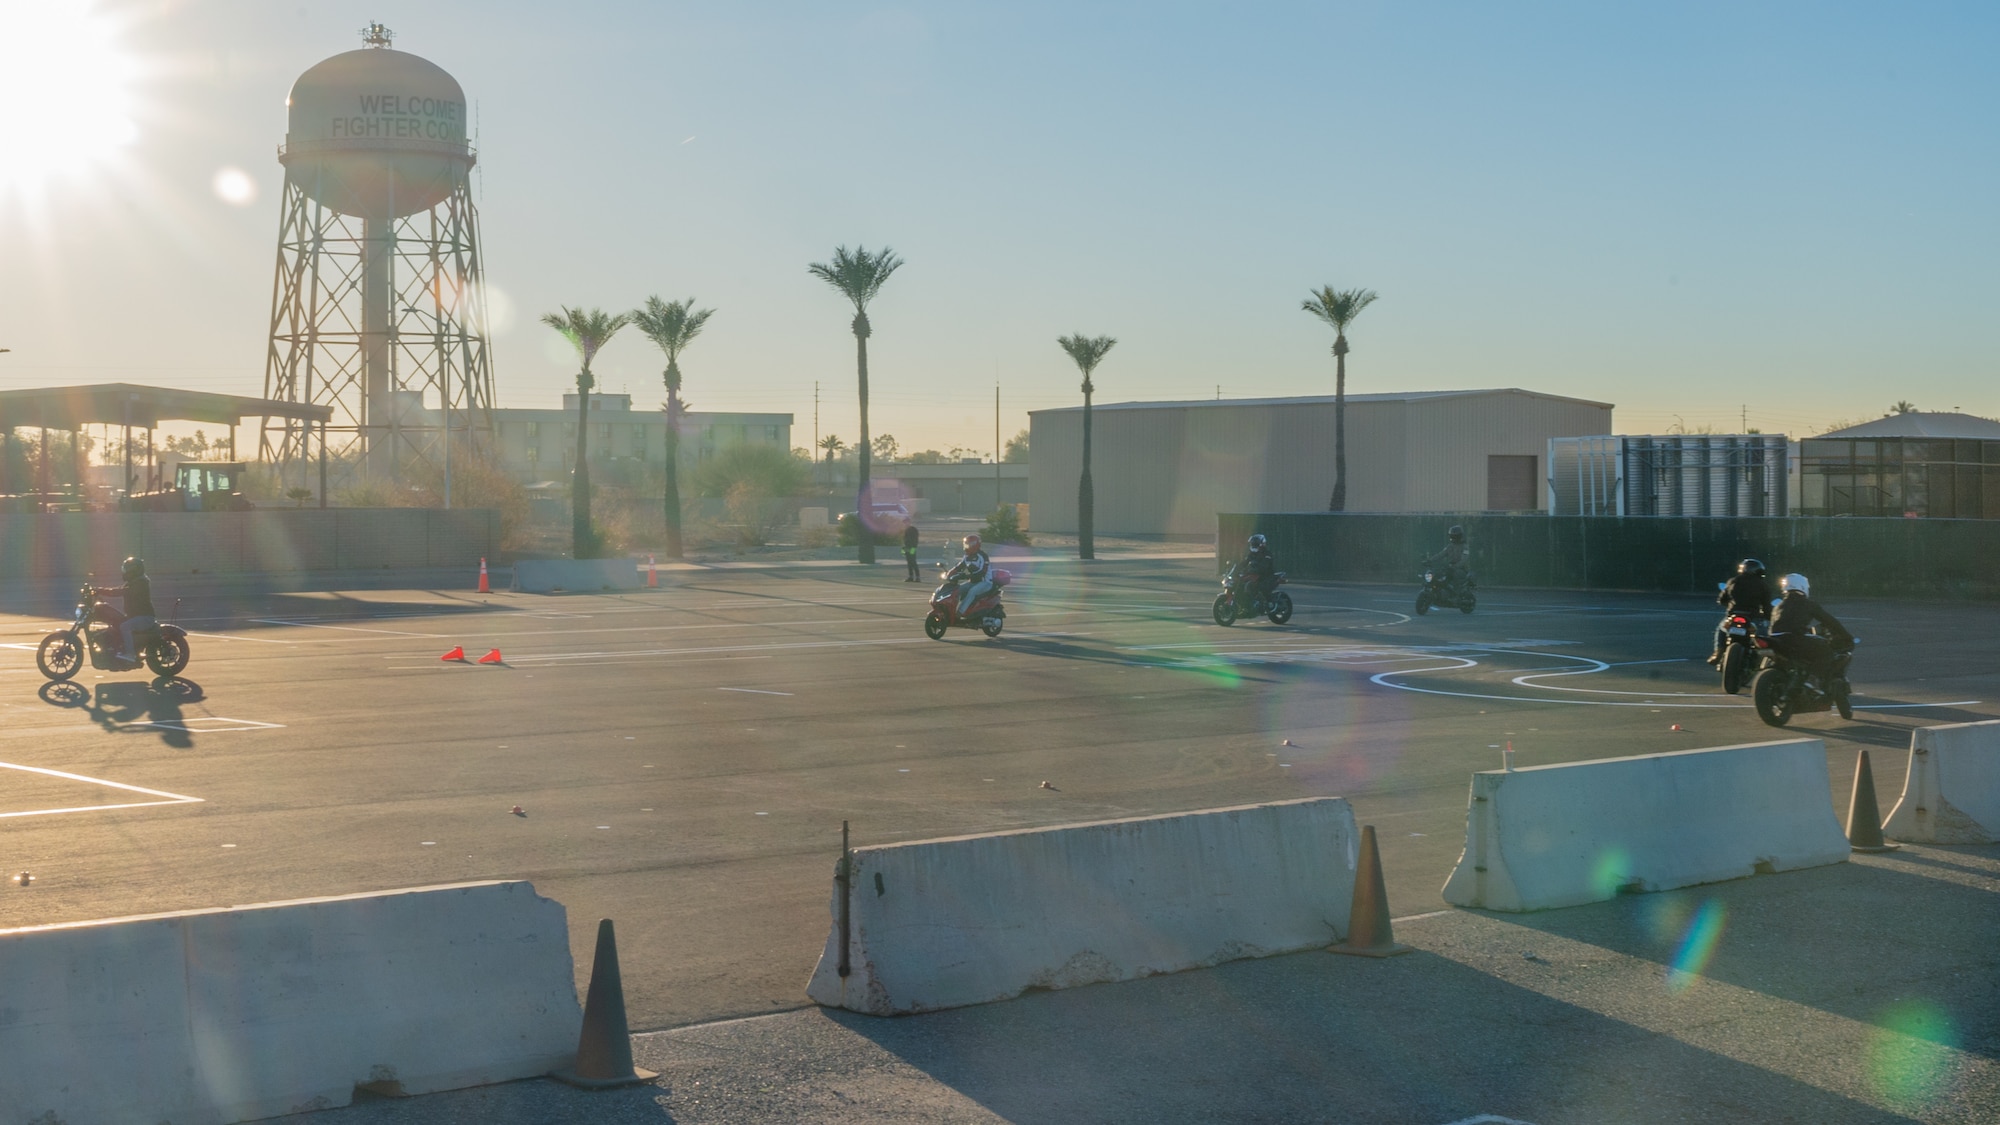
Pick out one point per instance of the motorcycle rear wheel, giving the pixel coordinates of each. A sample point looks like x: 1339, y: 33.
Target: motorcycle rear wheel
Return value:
x: 992, y: 626
x: 1467, y: 602
x: 60, y: 656
x: 1733, y: 660
x: 1225, y: 610
x: 1281, y: 608
x: 1423, y: 602
x: 1770, y: 692
x: 934, y: 625
x: 167, y: 656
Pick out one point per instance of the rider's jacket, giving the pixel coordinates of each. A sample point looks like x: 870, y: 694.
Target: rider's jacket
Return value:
x: 138, y: 595
x: 1453, y: 556
x: 973, y: 568
x: 1262, y: 564
x: 1747, y: 594
x: 1797, y: 613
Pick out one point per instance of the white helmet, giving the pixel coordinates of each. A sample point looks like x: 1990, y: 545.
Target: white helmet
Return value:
x: 1795, y: 584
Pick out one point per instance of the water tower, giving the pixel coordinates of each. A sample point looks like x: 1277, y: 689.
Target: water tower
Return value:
x: 379, y: 306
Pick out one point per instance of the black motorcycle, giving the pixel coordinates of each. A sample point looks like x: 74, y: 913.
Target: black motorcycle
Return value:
x: 163, y: 648
x: 1441, y: 592
x: 1740, y: 653
x: 1784, y: 687
x: 1240, y: 597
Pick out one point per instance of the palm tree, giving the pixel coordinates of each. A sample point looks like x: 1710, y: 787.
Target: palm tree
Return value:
x: 832, y: 444
x: 859, y: 276
x: 587, y: 332
x: 1088, y: 352
x: 1339, y: 308
x: 672, y: 325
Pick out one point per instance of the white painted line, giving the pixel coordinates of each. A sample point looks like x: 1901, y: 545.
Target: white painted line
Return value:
x: 753, y: 691
x: 189, y: 726
x: 168, y: 798
x: 227, y: 637
x: 1912, y: 706
x: 1489, y: 1119
x: 553, y: 657
x: 1420, y: 917
x: 25, y: 647
x: 343, y: 628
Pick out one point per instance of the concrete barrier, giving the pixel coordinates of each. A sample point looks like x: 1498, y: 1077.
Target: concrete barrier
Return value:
x: 1563, y: 835
x: 944, y: 923
x: 1952, y: 793
x: 229, y: 1015
x: 575, y: 576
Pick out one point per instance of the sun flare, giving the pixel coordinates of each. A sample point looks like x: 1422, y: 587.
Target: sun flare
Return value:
x: 65, y: 91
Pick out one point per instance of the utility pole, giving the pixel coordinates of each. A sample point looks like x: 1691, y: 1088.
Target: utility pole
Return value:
x: 996, y: 447
x: 1746, y: 418
x: 816, y: 451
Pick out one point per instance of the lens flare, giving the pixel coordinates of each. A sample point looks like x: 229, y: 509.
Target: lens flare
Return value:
x: 235, y: 187
x: 1697, y: 946
x: 1911, y: 1055
x: 1608, y: 874
x: 65, y: 80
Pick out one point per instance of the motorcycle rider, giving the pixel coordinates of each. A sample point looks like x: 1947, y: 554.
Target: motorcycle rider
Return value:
x: 1748, y: 595
x: 1451, y: 559
x: 1260, y: 564
x: 977, y: 572
x: 1793, y: 635
x: 138, y: 616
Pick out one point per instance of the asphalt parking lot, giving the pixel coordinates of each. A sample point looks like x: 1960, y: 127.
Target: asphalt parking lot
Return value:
x: 684, y: 757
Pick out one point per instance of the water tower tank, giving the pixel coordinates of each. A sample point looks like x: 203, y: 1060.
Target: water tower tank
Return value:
x: 377, y: 134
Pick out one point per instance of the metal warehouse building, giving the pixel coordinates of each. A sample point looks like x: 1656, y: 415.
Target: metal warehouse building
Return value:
x: 1169, y: 467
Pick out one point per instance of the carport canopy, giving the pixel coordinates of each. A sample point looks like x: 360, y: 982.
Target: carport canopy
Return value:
x: 126, y: 404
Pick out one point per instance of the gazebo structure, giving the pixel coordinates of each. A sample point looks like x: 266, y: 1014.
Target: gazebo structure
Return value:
x: 132, y: 408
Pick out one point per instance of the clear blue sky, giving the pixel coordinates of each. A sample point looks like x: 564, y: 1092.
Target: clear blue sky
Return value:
x: 1688, y: 210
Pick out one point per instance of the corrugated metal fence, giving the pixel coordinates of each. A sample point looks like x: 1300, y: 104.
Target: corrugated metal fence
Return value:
x: 74, y: 544
x: 1844, y: 557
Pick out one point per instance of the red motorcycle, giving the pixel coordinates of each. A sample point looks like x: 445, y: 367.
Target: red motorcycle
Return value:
x: 985, y: 613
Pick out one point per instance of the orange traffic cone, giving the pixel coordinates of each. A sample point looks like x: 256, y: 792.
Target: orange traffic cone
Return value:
x: 652, y: 571
x: 1369, y: 933
x: 484, y: 586
x: 604, y: 1049
x: 457, y: 654
x: 492, y: 658
x: 1864, y: 819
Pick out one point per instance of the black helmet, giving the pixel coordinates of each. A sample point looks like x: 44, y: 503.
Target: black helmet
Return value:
x: 1456, y: 534
x: 1751, y: 566
x: 1257, y: 541
x: 134, y: 567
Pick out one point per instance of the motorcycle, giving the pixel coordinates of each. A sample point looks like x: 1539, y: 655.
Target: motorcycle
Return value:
x: 1784, y: 688
x: 1740, y: 652
x: 985, y: 613
x: 1240, y: 597
x: 1440, y: 592
x: 163, y: 648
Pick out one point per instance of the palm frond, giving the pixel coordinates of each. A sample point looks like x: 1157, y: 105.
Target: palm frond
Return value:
x: 670, y: 324
x: 587, y: 330
x: 858, y: 274
x: 1338, y: 307
x: 1087, y: 351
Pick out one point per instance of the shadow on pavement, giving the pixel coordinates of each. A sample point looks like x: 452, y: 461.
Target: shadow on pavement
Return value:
x: 129, y: 707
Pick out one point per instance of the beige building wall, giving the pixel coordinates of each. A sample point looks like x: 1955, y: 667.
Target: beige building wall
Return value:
x: 1169, y: 468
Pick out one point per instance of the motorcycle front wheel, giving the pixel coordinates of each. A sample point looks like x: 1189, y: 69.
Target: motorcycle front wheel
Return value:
x: 167, y: 656
x: 1769, y: 692
x: 1732, y: 669
x: 1281, y: 608
x: 934, y: 626
x: 1423, y: 602
x: 60, y: 656
x: 1225, y: 610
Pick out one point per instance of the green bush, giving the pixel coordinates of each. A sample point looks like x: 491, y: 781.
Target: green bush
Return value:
x: 767, y: 469
x: 1004, y: 526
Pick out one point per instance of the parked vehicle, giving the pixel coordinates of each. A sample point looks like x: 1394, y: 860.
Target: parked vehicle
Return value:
x: 1740, y: 654
x: 61, y: 654
x: 985, y: 613
x: 1784, y: 687
x: 1241, y: 598
x: 1440, y: 592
